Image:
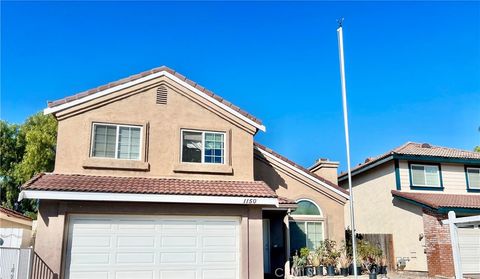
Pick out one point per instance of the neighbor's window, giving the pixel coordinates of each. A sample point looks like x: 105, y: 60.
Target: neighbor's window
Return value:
x: 425, y: 175
x: 116, y: 141
x: 203, y: 147
x: 473, y: 178
x: 306, y: 228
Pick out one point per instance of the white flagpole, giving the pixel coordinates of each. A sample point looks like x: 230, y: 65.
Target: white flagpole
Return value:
x: 347, y: 142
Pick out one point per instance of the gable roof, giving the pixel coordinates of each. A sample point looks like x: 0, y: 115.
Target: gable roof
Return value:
x: 437, y: 201
x: 301, y: 170
x: 70, y: 101
x: 143, y: 185
x: 413, y: 149
x: 13, y: 213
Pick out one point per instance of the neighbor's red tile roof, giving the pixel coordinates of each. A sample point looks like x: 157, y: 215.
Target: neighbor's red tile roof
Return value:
x: 286, y: 160
x: 13, y: 213
x: 441, y: 200
x: 140, y: 185
x: 420, y: 149
x: 80, y: 95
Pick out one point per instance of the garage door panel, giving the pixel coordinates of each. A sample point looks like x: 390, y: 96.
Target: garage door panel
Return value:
x: 87, y: 241
x: 153, y: 247
x: 220, y: 257
x: 136, y: 225
x: 90, y: 258
x: 221, y: 241
x: 89, y: 275
x: 469, y: 246
x: 185, y: 274
x: 178, y: 258
x: 134, y: 274
x: 219, y: 274
x: 135, y: 258
x: 128, y: 241
x: 179, y: 241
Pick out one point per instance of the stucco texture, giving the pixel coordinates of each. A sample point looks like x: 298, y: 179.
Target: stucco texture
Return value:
x: 161, y: 134
x: 377, y: 213
x: 293, y: 186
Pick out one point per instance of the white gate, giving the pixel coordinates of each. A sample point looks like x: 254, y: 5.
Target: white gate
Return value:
x: 15, y: 263
x: 465, y: 239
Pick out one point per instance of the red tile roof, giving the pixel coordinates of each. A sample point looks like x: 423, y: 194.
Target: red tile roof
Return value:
x: 437, y: 201
x: 13, y: 213
x: 141, y: 185
x: 80, y: 95
x: 286, y: 160
x: 420, y: 149
x: 286, y: 201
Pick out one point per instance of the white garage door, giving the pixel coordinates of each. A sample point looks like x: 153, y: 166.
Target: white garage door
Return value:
x: 469, y: 245
x: 153, y: 247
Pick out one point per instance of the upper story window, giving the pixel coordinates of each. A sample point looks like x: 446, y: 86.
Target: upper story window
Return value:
x: 425, y: 175
x: 203, y: 147
x: 116, y: 141
x: 473, y: 178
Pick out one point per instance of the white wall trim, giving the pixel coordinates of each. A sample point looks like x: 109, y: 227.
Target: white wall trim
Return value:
x: 146, y: 78
x: 301, y: 172
x: 94, y: 196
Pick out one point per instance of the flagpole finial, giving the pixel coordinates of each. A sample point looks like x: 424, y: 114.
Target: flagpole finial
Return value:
x: 340, y: 22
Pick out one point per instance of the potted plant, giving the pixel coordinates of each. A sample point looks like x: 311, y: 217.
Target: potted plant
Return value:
x: 320, y: 255
x: 331, y: 256
x: 382, y: 269
x: 298, y: 264
x: 358, y: 266
x: 344, y: 263
x: 307, y: 256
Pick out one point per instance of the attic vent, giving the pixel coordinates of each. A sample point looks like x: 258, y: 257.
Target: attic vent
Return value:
x: 426, y: 145
x: 161, y: 95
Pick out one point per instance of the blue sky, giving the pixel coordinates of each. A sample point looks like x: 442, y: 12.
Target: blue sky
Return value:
x: 413, y: 69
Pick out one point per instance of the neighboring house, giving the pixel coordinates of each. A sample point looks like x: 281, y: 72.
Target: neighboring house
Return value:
x: 15, y: 229
x: 407, y: 192
x: 157, y: 177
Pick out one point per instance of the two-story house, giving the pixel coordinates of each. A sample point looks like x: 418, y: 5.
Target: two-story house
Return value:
x: 158, y: 177
x: 407, y: 192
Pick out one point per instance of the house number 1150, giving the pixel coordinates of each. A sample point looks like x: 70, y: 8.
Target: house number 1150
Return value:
x: 250, y: 201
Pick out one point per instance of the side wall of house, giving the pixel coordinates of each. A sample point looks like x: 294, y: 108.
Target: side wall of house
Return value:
x: 376, y: 212
x: 53, y: 220
x: 287, y: 184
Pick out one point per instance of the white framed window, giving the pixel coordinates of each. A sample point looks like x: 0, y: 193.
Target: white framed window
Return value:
x: 116, y: 141
x: 203, y: 147
x: 306, y: 226
x: 425, y: 175
x: 473, y: 178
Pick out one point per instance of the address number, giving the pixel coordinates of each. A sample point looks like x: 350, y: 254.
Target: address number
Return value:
x: 250, y: 201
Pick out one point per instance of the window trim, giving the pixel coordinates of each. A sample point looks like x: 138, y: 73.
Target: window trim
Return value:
x: 225, y: 147
x: 92, y: 140
x: 322, y: 221
x: 425, y: 187
x: 477, y: 190
x: 298, y: 216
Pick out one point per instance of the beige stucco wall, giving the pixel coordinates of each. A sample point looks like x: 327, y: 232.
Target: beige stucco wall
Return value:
x: 377, y: 212
x: 453, y: 178
x: 162, y: 124
x: 12, y: 222
x: 293, y: 186
x: 53, y: 219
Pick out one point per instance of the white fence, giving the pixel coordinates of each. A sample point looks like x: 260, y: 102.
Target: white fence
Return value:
x: 15, y: 263
x: 465, y: 239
